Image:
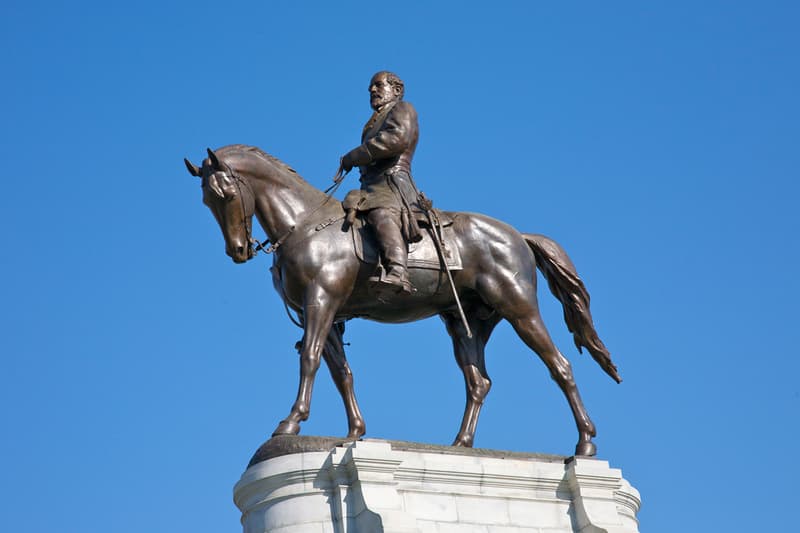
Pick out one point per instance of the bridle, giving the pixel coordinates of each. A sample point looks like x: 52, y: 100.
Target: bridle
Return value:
x: 247, y: 218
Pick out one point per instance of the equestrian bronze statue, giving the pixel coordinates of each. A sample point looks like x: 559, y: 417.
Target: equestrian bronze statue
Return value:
x: 469, y: 269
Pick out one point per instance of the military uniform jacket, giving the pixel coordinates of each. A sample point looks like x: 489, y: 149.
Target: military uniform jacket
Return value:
x: 384, y: 157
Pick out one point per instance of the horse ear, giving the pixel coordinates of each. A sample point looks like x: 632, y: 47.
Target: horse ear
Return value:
x: 213, y: 157
x: 193, y: 170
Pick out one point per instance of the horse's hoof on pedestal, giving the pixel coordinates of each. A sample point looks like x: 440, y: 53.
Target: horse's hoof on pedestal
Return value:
x: 287, y: 427
x: 355, y: 434
x: 586, y: 449
x: 462, y: 442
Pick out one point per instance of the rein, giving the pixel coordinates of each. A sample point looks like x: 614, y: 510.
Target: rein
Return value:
x: 265, y: 246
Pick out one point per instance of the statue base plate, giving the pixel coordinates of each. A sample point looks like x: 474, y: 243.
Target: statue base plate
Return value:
x: 326, y: 485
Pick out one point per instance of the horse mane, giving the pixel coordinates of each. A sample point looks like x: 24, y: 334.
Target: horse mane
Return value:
x: 235, y: 150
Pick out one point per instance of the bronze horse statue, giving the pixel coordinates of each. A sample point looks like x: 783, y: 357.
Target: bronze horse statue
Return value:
x: 318, y: 275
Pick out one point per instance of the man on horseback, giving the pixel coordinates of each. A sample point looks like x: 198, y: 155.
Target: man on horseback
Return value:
x: 388, y: 195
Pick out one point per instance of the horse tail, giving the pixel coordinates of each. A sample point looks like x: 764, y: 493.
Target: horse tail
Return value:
x: 561, y: 276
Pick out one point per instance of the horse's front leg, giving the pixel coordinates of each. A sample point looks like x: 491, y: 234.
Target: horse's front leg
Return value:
x: 318, y: 313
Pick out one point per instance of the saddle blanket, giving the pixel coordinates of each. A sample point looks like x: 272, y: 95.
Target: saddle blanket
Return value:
x: 422, y: 254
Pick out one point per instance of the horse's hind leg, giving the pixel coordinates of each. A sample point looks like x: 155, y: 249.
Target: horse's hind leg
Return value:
x: 469, y: 354
x: 531, y: 329
x: 334, y: 356
x: 515, y: 300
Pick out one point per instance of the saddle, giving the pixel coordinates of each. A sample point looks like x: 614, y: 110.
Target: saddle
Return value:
x: 422, y: 254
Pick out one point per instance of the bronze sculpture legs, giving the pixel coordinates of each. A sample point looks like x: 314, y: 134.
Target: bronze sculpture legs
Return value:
x: 330, y: 346
x: 385, y: 222
x: 470, y: 358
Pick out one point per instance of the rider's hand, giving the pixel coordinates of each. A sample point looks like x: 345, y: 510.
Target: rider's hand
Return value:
x: 356, y: 157
x: 346, y: 163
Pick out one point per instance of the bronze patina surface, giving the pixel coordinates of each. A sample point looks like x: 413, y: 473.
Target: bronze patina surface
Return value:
x: 318, y: 275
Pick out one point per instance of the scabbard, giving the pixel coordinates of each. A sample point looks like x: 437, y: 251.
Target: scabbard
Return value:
x: 407, y: 219
x: 437, y: 237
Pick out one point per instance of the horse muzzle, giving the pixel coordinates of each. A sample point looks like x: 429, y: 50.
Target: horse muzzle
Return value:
x: 240, y: 253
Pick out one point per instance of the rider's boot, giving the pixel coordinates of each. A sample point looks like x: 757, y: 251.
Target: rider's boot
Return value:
x: 394, y: 254
x: 397, y: 271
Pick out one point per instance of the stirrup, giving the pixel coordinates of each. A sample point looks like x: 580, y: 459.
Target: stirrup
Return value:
x: 382, y: 281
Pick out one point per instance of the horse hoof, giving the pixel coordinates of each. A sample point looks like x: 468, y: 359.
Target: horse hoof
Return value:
x: 287, y: 427
x: 462, y: 442
x: 355, y: 434
x: 586, y: 448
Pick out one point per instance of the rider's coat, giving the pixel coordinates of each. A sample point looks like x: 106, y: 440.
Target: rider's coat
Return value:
x: 384, y: 157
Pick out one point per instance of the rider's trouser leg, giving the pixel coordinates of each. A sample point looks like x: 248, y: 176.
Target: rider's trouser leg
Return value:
x: 386, y: 224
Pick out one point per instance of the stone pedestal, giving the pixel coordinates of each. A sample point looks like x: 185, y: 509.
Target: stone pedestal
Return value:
x: 319, y: 485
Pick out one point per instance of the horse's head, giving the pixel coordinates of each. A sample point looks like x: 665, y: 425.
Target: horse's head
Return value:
x: 231, y: 201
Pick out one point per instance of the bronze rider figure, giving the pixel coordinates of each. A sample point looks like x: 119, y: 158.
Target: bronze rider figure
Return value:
x: 388, y: 195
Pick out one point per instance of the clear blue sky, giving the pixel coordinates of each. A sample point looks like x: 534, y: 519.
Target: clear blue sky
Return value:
x: 656, y: 141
